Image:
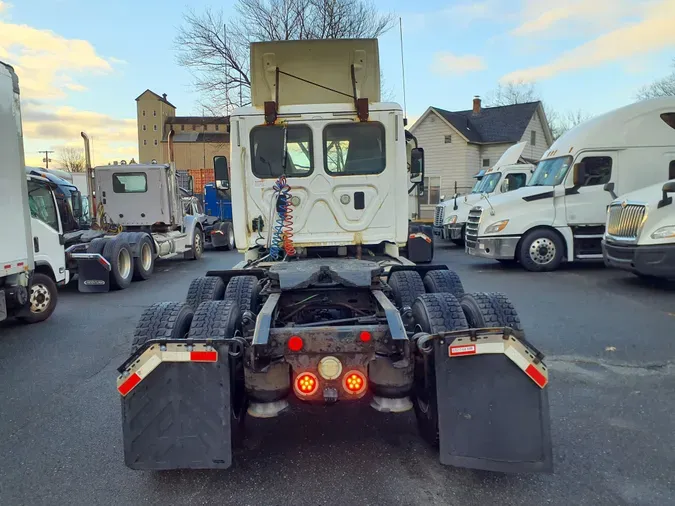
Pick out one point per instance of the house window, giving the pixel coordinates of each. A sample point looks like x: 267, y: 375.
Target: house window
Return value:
x: 182, y: 127
x: 448, y: 139
x: 154, y: 113
x: 145, y: 143
x: 143, y: 113
x: 486, y: 162
x: 217, y: 127
x: 432, y: 190
x: 154, y: 128
x: 144, y: 128
x: 155, y: 142
x: 533, y: 137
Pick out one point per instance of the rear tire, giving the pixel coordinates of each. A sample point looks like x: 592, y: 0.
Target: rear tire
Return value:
x: 405, y: 286
x: 434, y: 312
x: 97, y: 245
x: 118, y: 252
x: 244, y: 291
x: 42, y: 299
x: 490, y: 310
x: 206, y: 288
x: 162, y: 320
x: 144, y: 263
x: 443, y: 282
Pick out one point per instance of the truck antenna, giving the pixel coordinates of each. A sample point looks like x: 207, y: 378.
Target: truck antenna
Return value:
x: 405, y: 107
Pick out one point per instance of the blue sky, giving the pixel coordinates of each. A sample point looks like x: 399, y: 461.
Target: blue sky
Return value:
x: 82, y: 63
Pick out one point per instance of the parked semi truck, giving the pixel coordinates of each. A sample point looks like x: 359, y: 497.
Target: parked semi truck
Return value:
x: 323, y: 308
x: 640, y: 231
x: 509, y: 173
x: 560, y: 215
x: 26, y: 291
x: 218, y: 229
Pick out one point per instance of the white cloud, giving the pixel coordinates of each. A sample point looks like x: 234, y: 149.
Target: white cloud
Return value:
x: 653, y: 32
x: 448, y: 63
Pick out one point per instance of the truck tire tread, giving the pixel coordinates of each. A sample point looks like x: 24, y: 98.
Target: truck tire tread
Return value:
x: 406, y: 286
x: 490, y: 310
x: 444, y: 281
x: 167, y: 320
x: 205, y: 288
x: 215, y: 319
x: 244, y: 290
x: 111, y: 252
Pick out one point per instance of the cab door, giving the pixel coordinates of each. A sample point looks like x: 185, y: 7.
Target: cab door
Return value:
x: 586, y: 202
x: 47, y: 229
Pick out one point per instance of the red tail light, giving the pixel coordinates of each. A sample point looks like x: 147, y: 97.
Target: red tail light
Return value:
x: 295, y: 343
x: 306, y: 384
x: 354, y: 382
x: 365, y: 336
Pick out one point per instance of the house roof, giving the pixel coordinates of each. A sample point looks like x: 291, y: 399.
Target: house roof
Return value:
x: 492, y: 124
x: 158, y: 97
x: 199, y: 120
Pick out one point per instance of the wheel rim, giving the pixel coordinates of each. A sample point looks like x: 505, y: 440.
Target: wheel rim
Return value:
x: 146, y: 257
x: 40, y: 298
x: 124, y: 263
x: 542, y: 251
x: 198, y: 243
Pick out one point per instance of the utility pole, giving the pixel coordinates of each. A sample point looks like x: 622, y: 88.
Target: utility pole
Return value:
x: 46, y: 159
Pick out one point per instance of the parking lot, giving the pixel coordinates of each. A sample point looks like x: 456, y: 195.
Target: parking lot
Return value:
x: 609, y: 341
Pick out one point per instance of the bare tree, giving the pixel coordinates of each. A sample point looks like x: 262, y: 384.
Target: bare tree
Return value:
x: 72, y: 159
x: 216, y: 49
x: 660, y: 88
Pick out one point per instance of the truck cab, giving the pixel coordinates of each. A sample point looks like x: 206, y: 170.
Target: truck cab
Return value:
x: 640, y: 231
x: 560, y: 215
x: 509, y: 173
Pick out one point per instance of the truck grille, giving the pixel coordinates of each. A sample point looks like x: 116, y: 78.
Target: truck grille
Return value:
x: 625, y: 221
x: 471, y: 234
x: 439, y: 214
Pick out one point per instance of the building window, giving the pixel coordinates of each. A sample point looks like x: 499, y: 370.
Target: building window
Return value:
x: 448, y: 139
x: 154, y: 127
x: 533, y: 138
x: 155, y: 142
x: 182, y: 127
x: 143, y: 113
x: 486, y: 162
x: 154, y: 113
x: 217, y: 127
x: 145, y: 143
x: 144, y: 128
x: 194, y: 127
x: 432, y: 190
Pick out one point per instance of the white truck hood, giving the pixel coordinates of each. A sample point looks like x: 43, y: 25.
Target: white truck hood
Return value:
x: 510, y: 156
x: 525, y: 208
x: 647, y: 195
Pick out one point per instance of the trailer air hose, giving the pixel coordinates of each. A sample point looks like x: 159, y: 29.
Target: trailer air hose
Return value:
x: 282, y: 231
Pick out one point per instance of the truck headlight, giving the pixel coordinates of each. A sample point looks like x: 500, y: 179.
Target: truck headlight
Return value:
x: 664, y: 232
x: 451, y: 220
x: 497, y: 227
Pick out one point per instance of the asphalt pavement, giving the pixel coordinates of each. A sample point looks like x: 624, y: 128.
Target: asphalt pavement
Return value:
x: 610, y: 344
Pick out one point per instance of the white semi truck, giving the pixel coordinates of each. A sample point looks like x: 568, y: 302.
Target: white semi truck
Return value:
x: 560, y: 215
x: 640, y: 231
x: 323, y: 308
x: 509, y: 173
x: 26, y: 291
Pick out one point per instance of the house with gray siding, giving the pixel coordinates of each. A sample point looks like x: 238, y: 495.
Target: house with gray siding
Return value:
x: 457, y: 145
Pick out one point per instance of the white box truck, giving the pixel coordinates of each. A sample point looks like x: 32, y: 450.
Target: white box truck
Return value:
x: 508, y: 174
x: 24, y: 293
x: 561, y: 213
x: 640, y: 231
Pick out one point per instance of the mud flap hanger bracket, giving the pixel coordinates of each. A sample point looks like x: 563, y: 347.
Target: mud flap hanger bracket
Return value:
x: 500, y: 340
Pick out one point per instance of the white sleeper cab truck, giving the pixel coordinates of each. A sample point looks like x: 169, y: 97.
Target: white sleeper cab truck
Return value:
x: 508, y: 174
x: 560, y: 215
x: 323, y: 309
x: 26, y: 290
x: 640, y: 232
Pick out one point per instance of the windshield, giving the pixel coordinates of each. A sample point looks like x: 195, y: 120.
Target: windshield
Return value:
x: 476, y: 186
x: 490, y: 182
x: 551, y: 172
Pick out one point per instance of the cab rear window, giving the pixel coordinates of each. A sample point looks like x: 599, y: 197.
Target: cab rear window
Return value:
x: 130, y: 182
x: 277, y: 150
x: 354, y: 149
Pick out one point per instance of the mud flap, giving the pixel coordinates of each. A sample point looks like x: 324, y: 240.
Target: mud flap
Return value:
x: 491, y: 414
x: 178, y: 415
x: 93, y: 273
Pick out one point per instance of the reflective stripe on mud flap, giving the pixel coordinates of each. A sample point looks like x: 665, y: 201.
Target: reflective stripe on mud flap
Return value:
x: 511, y: 347
x: 155, y: 355
x: 421, y: 236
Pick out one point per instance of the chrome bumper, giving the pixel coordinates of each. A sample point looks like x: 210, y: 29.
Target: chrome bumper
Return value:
x: 454, y: 231
x: 496, y: 248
